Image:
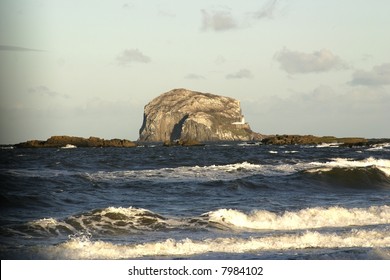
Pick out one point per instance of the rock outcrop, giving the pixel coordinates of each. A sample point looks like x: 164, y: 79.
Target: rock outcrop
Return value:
x: 65, y: 141
x: 186, y: 115
x: 313, y: 140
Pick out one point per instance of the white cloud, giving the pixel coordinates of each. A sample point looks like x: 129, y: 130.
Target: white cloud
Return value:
x: 130, y: 56
x: 319, y: 61
x: 241, y: 74
x: 217, y: 21
x: 378, y: 76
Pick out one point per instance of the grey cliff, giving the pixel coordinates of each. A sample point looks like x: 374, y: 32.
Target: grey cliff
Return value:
x: 182, y: 114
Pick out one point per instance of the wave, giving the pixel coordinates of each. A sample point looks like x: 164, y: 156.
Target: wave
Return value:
x: 236, y: 170
x: 337, y: 172
x: 84, y: 248
x: 381, y: 164
x: 113, y: 221
x: 211, y: 172
x: 183, y: 173
x: 317, y: 217
x: 356, y: 178
x: 380, y: 147
x: 364, y: 174
x: 107, y: 221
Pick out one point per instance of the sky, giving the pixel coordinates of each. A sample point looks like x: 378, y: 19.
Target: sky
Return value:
x: 88, y: 67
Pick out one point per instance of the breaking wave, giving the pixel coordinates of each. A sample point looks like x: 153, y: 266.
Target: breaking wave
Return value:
x: 84, y: 248
x: 309, y: 218
x: 107, y: 221
x: 364, y: 174
x: 380, y: 164
x: 126, y: 221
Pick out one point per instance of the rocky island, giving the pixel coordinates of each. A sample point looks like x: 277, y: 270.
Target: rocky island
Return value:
x: 313, y: 140
x: 185, y: 116
x: 72, y: 141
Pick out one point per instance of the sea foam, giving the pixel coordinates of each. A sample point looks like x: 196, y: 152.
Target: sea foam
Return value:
x: 77, y: 248
x: 309, y: 218
x: 381, y: 164
x: 125, y: 221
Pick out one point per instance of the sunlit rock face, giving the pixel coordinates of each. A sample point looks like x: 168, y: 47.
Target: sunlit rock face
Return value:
x: 182, y: 114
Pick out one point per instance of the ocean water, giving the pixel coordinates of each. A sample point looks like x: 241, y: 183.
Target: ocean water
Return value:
x: 219, y: 201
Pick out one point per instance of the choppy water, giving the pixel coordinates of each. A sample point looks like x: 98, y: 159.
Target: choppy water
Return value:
x: 220, y: 201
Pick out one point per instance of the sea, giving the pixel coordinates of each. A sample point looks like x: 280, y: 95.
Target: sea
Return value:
x: 224, y: 200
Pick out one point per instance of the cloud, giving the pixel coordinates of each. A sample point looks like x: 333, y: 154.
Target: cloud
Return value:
x: 378, y: 76
x: 17, y: 49
x: 217, y: 21
x: 193, y: 76
x: 132, y: 56
x: 267, y: 11
x: 45, y: 91
x: 298, y: 62
x: 241, y: 74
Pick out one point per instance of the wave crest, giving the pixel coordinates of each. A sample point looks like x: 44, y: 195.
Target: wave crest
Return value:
x: 304, y: 219
x: 111, y: 221
x: 125, y: 221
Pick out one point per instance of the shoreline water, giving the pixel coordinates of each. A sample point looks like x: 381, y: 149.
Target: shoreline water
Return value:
x: 225, y: 200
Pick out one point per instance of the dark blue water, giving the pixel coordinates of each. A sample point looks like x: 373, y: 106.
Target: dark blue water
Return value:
x: 219, y: 201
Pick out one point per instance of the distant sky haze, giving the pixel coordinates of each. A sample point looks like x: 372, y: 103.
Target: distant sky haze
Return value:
x: 88, y: 68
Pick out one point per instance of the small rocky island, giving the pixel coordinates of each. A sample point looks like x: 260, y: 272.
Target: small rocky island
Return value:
x: 185, y: 116
x: 72, y: 142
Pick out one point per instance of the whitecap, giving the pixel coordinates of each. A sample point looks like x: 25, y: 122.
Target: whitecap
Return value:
x: 69, y: 146
x: 309, y: 218
x: 80, y: 248
x: 381, y: 164
x: 328, y: 145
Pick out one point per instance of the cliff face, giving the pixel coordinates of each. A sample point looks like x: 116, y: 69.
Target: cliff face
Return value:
x: 182, y: 114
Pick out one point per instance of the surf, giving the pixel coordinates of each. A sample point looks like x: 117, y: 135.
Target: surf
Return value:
x: 84, y: 248
x: 114, y: 221
x: 309, y: 218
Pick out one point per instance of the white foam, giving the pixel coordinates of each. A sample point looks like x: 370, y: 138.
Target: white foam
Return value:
x: 110, y: 220
x: 79, y: 248
x: 6, y: 147
x: 69, y: 146
x: 380, y: 147
x: 309, y: 218
x: 50, y: 226
x: 381, y: 164
x: 328, y: 145
x: 291, y: 152
x: 44, y: 223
